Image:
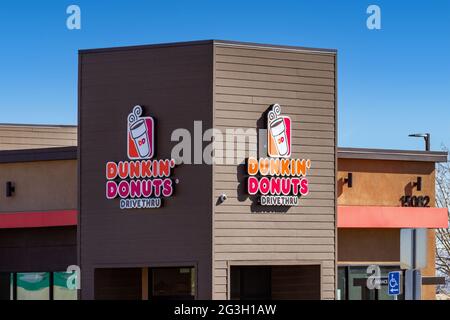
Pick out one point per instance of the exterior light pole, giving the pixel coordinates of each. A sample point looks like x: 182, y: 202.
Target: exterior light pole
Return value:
x: 415, y: 278
x: 425, y: 136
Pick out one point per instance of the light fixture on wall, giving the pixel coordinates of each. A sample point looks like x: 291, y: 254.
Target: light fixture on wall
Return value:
x: 349, y: 180
x: 10, y: 189
x: 418, y: 184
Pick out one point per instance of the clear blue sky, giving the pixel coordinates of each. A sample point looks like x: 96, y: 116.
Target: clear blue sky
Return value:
x: 391, y: 82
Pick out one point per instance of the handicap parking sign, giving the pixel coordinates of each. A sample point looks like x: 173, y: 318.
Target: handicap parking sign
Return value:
x: 394, y: 287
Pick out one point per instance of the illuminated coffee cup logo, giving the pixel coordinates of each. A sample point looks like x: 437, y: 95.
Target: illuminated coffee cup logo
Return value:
x: 140, y: 182
x: 140, y: 135
x: 278, y: 133
x: 275, y: 181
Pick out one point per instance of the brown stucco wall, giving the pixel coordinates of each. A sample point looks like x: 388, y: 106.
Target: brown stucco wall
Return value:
x: 369, y: 245
x: 383, y: 183
x: 40, y: 186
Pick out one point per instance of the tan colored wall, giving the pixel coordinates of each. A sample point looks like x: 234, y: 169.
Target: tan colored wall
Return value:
x: 368, y: 245
x: 383, y: 183
x: 13, y: 137
x: 247, y: 81
x: 429, y: 291
x: 40, y: 185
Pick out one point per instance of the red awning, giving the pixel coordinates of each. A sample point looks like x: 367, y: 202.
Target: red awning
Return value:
x: 391, y: 217
x: 38, y: 219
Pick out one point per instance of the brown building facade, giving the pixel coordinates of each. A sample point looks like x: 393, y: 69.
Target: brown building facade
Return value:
x: 229, y: 244
x: 38, y: 215
x: 384, y: 198
x: 149, y: 206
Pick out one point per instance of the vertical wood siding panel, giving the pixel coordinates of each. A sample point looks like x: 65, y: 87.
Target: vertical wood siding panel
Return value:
x: 247, y: 81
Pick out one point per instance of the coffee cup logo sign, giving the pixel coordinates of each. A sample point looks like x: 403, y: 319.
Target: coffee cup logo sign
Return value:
x: 141, y: 182
x: 278, y: 133
x: 278, y: 180
x: 140, y: 135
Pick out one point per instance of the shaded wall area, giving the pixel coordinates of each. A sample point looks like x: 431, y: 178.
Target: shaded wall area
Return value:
x: 369, y: 245
x: 38, y: 249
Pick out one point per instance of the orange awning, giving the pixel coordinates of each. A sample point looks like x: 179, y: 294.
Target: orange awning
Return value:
x: 391, y: 217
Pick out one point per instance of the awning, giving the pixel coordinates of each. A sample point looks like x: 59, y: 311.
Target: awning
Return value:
x: 38, y: 219
x: 391, y: 217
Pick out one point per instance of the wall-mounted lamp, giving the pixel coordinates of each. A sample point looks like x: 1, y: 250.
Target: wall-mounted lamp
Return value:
x: 222, y: 197
x: 418, y: 184
x: 10, y: 189
x: 349, y: 179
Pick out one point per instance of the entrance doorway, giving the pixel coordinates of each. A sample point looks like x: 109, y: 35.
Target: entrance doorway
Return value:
x: 298, y: 282
x: 161, y: 283
x: 352, y: 283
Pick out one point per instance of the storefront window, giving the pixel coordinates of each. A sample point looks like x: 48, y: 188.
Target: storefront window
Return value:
x: 172, y: 283
x: 33, y: 286
x: 61, y: 290
x: 342, y: 280
x: 352, y: 284
x: 36, y: 286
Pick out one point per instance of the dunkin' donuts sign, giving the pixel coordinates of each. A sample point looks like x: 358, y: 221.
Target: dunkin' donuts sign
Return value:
x: 143, y: 181
x: 278, y: 180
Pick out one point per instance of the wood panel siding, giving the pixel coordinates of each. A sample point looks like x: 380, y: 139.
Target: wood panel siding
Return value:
x: 247, y: 80
x: 173, y: 84
x: 16, y: 136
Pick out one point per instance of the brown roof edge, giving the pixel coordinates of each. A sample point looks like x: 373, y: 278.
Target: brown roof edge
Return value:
x: 146, y: 46
x: 390, y: 154
x: 203, y: 42
x: 42, y: 154
x: 70, y: 153
x: 38, y: 125
x: 273, y: 46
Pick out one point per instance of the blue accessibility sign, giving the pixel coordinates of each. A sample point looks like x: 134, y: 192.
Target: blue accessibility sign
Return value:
x: 394, y: 287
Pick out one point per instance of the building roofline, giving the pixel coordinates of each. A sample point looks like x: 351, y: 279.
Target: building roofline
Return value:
x: 41, y: 154
x: 391, y: 154
x: 70, y: 153
x: 274, y: 46
x: 212, y: 42
x: 38, y: 125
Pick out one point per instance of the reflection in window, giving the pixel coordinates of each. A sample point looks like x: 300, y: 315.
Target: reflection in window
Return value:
x: 38, y: 286
x: 342, y: 280
x: 172, y: 283
x: 61, y: 290
x: 33, y: 286
x: 352, y: 284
